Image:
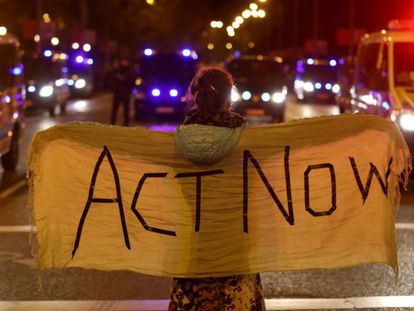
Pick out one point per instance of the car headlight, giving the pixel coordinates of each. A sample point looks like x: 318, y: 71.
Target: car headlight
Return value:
x: 246, y: 95
x: 308, y: 87
x: 336, y: 88
x: 31, y: 89
x: 80, y: 84
x: 278, y: 97
x: 46, y: 91
x: 235, y: 95
x: 407, y: 121
x: 265, y: 96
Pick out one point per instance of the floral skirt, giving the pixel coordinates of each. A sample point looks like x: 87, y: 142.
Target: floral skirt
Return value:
x: 236, y: 292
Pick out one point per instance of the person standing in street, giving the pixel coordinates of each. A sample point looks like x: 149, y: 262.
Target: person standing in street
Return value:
x: 208, y: 99
x: 122, y: 84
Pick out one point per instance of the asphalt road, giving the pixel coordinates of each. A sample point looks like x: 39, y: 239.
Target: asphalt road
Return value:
x: 20, y: 280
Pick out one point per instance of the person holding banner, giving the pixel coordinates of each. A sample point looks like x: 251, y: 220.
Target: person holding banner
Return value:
x: 208, y: 98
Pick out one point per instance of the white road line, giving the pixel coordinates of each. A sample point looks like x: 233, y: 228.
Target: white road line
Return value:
x: 405, y: 225
x: 9, y: 191
x: 16, y: 229
x: 28, y: 228
x: 374, y: 302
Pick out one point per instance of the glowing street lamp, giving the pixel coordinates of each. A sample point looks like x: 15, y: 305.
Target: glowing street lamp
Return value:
x: 54, y: 41
x: 253, y: 6
x: 151, y: 2
x: 229, y: 46
x: 246, y: 13
x: 261, y: 13
x: 239, y: 20
x: 235, y: 25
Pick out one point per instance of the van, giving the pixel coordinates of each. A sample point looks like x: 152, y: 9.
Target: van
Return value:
x: 12, y: 99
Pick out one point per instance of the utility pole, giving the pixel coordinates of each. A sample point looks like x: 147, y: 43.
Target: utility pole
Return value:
x: 351, y: 29
x: 315, y: 19
x: 295, y: 23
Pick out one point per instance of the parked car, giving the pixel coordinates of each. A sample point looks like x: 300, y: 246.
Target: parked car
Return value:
x: 11, y: 100
x: 261, y: 87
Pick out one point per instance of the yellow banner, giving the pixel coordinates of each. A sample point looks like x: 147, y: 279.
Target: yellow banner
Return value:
x: 314, y: 193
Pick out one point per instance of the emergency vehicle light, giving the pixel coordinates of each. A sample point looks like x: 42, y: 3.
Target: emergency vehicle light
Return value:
x: 397, y: 24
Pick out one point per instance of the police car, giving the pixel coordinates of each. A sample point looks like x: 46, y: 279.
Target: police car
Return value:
x: 316, y: 80
x: 161, y: 83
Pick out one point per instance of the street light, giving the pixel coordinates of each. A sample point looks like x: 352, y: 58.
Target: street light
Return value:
x: 239, y: 20
x: 253, y: 6
x: 54, y: 41
x: 210, y: 46
x: 261, y: 13
x: 246, y: 13
x: 235, y: 25
x: 151, y: 2
x: 229, y: 46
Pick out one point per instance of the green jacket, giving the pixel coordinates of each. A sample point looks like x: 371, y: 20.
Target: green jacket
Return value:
x: 205, y: 143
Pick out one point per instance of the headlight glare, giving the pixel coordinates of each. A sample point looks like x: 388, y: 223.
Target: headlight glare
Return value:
x: 246, y: 95
x: 308, y: 87
x: 407, y: 121
x: 46, y: 91
x: 235, y: 95
x: 80, y: 84
x: 265, y: 97
x: 278, y: 97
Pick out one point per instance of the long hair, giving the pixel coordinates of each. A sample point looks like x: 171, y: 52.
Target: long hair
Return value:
x: 210, y: 90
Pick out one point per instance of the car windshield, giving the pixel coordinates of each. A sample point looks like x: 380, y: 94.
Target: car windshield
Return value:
x: 167, y: 65
x: 38, y: 69
x: 7, y: 59
x: 319, y: 72
x: 256, y: 69
x: 404, y: 63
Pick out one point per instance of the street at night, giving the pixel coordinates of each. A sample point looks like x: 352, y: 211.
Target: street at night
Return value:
x: 243, y: 155
x: 22, y: 282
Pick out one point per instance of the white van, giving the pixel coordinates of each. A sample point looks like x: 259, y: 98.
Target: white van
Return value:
x: 384, y: 76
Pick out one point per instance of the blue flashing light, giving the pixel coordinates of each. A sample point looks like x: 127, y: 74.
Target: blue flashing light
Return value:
x: 237, y: 53
x: 71, y: 82
x: 90, y: 61
x: 65, y: 70
x: 328, y: 86
x: 47, y: 53
x: 148, y: 52
x: 341, y: 61
x: 79, y: 59
x: 310, y: 61
x: 17, y: 71
x: 318, y: 86
x: 332, y: 62
x: 186, y: 52
x: 31, y: 89
x: 173, y: 93
x: 386, y: 105
x: 156, y: 92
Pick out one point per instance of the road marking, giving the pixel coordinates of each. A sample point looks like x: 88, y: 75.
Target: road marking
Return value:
x: 14, y: 188
x: 28, y: 228
x: 374, y: 302
x: 16, y: 229
x: 405, y: 225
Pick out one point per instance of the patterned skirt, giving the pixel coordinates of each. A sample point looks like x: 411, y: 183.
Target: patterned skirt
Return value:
x: 236, y: 292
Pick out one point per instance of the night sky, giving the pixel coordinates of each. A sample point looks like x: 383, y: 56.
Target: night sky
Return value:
x: 370, y: 15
